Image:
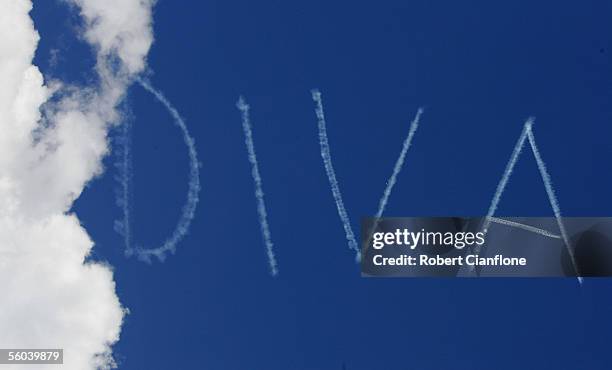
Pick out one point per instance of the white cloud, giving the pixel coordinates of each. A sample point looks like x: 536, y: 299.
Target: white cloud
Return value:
x: 51, y: 297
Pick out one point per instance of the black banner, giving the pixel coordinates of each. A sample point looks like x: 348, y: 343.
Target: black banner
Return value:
x: 486, y: 247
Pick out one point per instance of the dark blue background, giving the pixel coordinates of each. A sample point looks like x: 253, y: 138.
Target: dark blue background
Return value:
x: 479, y: 67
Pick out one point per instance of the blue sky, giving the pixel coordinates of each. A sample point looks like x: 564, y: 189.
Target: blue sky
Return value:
x: 479, y: 68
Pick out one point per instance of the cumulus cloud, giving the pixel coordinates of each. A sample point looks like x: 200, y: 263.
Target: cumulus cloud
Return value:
x: 49, y: 150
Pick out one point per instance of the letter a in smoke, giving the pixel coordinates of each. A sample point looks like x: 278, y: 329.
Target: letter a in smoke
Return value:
x: 527, y: 134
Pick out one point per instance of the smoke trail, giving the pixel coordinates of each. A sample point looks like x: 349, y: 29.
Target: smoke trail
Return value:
x: 501, y: 186
x: 527, y: 134
x: 124, y: 178
x: 188, y: 212
x: 507, y: 172
x: 331, y: 174
x: 398, y: 165
x: 414, y: 125
x: 552, y: 198
x: 518, y: 225
x: 259, y: 194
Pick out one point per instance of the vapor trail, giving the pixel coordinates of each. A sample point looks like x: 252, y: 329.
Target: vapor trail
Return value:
x: 414, y: 125
x: 259, y: 194
x: 188, y: 212
x: 124, y: 178
x: 518, y: 225
x: 527, y: 134
x: 507, y: 172
x: 501, y: 186
x: 331, y: 174
x: 399, y: 164
x: 552, y: 198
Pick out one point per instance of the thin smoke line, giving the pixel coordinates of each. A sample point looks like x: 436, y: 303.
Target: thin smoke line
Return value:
x: 527, y: 134
x: 414, y: 125
x: 259, y: 194
x: 189, y: 208
x: 331, y: 173
x: 501, y: 186
x: 124, y: 178
x: 519, y: 225
x: 553, y: 199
